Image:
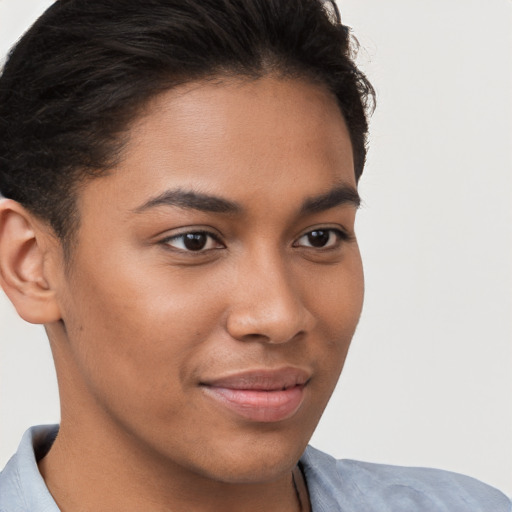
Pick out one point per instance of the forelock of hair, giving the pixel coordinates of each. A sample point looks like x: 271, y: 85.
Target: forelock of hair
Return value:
x: 84, y: 71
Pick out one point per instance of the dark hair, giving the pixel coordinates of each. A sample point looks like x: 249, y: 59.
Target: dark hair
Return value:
x: 86, y: 68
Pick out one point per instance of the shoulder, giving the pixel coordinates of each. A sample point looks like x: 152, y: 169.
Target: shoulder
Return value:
x: 22, y: 488
x: 350, y: 485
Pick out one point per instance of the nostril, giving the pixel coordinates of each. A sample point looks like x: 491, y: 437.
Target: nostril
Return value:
x: 268, y: 313
x: 275, y: 336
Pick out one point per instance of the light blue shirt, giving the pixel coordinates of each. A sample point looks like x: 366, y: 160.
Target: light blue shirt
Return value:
x: 334, y: 485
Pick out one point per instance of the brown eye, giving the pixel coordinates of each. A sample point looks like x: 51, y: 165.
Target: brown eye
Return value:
x: 321, y: 238
x: 318, y: 238
x: 194, y: 241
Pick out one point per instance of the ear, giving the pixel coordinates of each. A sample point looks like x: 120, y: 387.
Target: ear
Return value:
x: 24, y: 247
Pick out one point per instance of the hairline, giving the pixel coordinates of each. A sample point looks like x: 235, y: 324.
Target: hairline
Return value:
x: 219, y: 77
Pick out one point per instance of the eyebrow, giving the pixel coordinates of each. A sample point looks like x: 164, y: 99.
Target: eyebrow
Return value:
x: 191, y: 200
x: 338, y: 196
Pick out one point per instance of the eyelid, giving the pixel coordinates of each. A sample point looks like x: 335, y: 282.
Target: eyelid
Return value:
x: 329, y: 227
x: 342, y: 234
x: 192, y: 230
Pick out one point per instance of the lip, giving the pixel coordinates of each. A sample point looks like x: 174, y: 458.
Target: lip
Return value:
x: 261, y: 395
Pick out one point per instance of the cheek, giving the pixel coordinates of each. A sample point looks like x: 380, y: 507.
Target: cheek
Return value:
x: 339, y: 296
x: 136, y: 334
x: 337, y: 305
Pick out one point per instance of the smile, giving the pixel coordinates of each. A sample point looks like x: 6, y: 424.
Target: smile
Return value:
x: 261, y: 395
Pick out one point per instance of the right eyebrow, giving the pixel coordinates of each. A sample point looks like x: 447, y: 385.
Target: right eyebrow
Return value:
x: 189, y: 199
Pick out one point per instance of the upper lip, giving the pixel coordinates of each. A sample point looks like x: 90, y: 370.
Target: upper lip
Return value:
x: 261, y: 379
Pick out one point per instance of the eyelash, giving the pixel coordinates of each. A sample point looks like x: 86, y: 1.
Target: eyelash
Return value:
x: 339, y: 235
x: 182, y: 236
x: 194, y: 236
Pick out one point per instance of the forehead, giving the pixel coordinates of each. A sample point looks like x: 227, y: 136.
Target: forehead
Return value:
x: 234, y: 138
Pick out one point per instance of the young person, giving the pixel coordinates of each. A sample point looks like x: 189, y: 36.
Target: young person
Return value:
x: 181, y: 189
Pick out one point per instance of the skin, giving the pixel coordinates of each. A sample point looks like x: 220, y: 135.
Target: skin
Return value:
x: 138, y: 323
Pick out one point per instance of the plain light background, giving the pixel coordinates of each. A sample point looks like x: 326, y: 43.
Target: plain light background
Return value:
x: 428, y: 380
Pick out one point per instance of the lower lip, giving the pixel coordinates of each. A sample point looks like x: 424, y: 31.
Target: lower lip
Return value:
x: 259, y: 405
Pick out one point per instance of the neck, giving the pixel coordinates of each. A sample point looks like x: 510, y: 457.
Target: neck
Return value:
x: 131, y: 480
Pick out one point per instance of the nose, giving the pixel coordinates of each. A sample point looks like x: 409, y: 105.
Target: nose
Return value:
x: 266, y: 304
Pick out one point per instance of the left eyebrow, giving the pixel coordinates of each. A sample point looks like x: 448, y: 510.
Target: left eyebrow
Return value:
x: 338, y: 196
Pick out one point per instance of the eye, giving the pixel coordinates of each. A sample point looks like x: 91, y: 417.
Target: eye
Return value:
x: 321, y: 238
x: 193, y: 241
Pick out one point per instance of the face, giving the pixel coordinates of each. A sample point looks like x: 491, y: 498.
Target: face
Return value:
x: 216, y: 282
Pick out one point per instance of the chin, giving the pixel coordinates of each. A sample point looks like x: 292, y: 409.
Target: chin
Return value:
x: 256, y: 470
x: 254, y: 460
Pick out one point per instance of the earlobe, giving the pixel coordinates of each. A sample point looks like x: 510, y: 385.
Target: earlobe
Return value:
x: 23, y: 273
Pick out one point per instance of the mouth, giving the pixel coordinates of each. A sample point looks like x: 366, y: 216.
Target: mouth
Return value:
x: 260, y: 395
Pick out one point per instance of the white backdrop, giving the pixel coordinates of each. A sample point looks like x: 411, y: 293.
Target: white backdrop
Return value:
x: 428, y: 380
